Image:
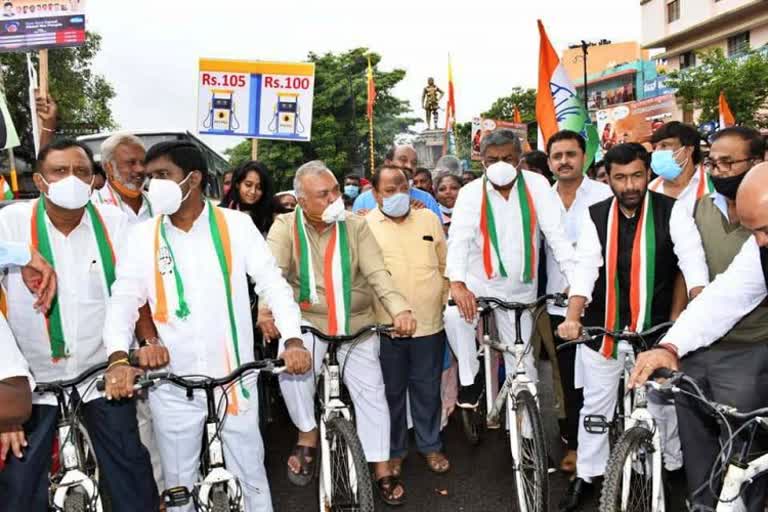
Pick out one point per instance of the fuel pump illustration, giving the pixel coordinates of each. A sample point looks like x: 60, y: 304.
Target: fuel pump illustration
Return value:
x: 287, y: 115
x: 221, y: 111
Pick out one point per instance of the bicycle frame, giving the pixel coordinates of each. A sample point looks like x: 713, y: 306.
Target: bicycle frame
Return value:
x: 735, y: 478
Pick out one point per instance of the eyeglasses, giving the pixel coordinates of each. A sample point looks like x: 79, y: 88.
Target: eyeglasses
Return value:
x: 722, y: 165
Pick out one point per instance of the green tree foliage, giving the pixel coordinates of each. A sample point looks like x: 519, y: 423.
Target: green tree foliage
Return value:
x: 525, y: 100
x: 744, y: 79
x: 82, y: 95
x: 339, y: 123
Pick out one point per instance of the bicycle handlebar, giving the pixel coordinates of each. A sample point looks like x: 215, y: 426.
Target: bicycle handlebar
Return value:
x: 186, y: 382
x: 346, y: 338
x: 592, y: 333
x: 52, y: 387
x: 485, y: 303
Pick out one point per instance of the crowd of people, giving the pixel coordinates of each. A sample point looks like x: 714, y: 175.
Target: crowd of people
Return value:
x: 148, y: 262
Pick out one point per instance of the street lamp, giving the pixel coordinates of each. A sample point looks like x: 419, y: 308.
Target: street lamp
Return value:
x: 585, y: 45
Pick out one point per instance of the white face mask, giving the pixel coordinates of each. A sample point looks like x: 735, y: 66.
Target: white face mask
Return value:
x: 334, y: 212
x: 501, y: 174
x: 71, y: 193
x: 396, y: 205
x: 165, y: 196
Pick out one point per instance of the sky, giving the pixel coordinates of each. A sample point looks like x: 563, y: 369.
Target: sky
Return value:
x: 150, y: 48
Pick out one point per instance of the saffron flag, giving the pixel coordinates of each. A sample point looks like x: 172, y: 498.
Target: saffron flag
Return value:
x: 517, y: 118
x: 371, y: 90
x: 449, y: 145
x: 8, y: 136
x: 557, y: 106
x: 726, y: 116
x: 5, y: 190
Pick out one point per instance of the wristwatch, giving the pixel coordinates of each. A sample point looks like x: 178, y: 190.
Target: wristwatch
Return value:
x: 149, y: 341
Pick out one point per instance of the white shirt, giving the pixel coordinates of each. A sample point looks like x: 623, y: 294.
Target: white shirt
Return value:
x: 687, y: 196
x: 729, y: 298
x: 686, y: 244
x: 14, y: 254
x: 13, y: 363
x: 82, y: 295
x: 588, y: 193
x: 198, y: 343
x: 465, y: 241
x: 108, y: 195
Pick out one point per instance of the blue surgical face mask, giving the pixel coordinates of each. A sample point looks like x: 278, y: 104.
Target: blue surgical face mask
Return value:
x: 397, y: 205
x: 351, y: 191
x: 664, y: 164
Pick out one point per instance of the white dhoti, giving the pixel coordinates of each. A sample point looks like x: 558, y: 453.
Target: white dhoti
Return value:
x: 179, y: 424
x: 365, y: 382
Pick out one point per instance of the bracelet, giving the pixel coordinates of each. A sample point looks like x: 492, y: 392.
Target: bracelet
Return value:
x: 123, y: 361
x: 154, y: 340
x: 669, y: 348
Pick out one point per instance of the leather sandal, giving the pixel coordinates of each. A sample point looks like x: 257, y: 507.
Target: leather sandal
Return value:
x: 437, y: 462
x: 386, y: 487
x: 307, y: 456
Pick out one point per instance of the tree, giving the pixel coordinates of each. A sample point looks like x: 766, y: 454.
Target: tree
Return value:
x: 339, y: 125
x: 82, y: 96
x: 525, y: 100
x: 743, y: 79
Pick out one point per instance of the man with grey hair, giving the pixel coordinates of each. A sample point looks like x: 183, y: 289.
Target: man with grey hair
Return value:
x: 317, y: 222
x: 498, y: 259
x: 122, y: 158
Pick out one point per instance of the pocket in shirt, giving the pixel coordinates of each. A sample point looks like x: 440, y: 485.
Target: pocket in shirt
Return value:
x: 96, y: 284
x: 427, y: 254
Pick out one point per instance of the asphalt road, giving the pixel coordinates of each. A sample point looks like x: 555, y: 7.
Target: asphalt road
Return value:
x: 480, y: 478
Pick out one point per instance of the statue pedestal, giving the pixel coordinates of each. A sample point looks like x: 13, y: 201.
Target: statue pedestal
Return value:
x: 429, y: 147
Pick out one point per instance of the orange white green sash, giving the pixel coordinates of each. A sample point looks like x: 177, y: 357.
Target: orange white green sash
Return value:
x: 337, y: 275
x: 642, y: 278
x: 41, y: 240
x: 492, y: 263
x: 5, y: 189
x: 114, y: 199
x: 222, y: 244
x: 703, y: 187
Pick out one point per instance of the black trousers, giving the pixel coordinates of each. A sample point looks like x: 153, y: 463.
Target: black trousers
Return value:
x: 574, y: 398
x: 735, y: 376
x: 123, y: 461
x: 413, y: 367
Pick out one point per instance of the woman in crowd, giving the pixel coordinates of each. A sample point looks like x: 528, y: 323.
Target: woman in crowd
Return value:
x: 251, y: 192
x: 446, y: 190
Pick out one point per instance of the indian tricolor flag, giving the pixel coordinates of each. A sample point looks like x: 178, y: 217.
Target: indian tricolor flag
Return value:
x: 5, y: 190
x: 557, y: 106
x: 726, y: 116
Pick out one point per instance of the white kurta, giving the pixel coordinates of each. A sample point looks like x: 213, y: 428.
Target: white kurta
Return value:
x: 82, y: 296
x: 13, y: 363
x: 689, y: 194
x: 465, y: 263
x: 108, y: 195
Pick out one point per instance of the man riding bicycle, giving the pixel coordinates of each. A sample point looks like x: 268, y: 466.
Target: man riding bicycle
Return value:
x: 335, y: 266
x: 628, y: 254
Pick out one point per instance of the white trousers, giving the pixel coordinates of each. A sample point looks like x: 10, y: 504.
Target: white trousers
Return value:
x: 365, y: 382
x: 600, y: 379
x: 179, y: 424
x: 461, y: 337
x: 147, y: 435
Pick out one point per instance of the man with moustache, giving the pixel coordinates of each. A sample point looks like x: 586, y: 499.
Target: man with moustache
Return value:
x: 122, y: 157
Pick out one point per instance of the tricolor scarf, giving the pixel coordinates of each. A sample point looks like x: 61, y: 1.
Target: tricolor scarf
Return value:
x: 41, y: 241
x: 492, y: 263
x: 643, y: 274
x: 337, y: 274
x: 5, y: 190
x: 703, y: 187
x: 223, y: 246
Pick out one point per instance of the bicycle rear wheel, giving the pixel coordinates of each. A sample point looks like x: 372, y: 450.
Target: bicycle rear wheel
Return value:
x: 219, y: 498
x: 632, y: 458
x: 531, y: 475
x: 473, y: 422
x: 76, y: 500
x: 351, y: 489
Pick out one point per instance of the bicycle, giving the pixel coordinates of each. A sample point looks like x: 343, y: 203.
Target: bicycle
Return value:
x: 739, y: 471
x: 75, y: 487
x: 529, y: 450
x: 633, y: 475
x: 344, y: 482
x: 218, y: 490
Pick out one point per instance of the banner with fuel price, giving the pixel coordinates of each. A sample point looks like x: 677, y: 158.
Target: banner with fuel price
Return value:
x: 255, y: 99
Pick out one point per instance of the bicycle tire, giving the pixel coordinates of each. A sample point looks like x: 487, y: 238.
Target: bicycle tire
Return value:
x: 532, y: 492
x: 93, y: 470
x: 219, y: 498
x: 637, y: 441
x: 76, y: 500
x: 473, y: 422
x: 347, y: 453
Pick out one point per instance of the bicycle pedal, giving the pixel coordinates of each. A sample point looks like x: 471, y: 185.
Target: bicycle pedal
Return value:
x: 177, y: 496
x: 596, y: 424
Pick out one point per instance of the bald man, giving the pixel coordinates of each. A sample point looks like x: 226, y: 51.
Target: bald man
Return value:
x: 732, y: 370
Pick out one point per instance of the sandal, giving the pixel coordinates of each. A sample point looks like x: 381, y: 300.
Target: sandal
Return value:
x: 386, y: 486
x: 306, y: 455
x: 396, y: 465
x: 437, y: 462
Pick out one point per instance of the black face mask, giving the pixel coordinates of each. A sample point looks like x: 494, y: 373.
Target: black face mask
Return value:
x: 728, y: 186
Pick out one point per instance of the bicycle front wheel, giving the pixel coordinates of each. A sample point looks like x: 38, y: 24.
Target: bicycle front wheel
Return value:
x: 629, y: 476
x: 531, y: 475
x: 351, y: 489
x: 219, y: 499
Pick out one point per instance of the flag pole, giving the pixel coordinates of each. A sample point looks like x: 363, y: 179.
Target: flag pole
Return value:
x: 370, y: 135
x: 14, y: 178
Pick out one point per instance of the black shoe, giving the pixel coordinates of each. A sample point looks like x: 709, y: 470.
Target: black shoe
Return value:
x: 578, y: 491
x: 469, y: 396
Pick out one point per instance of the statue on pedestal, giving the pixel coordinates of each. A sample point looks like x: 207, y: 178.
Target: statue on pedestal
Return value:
x: 430, y: 101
